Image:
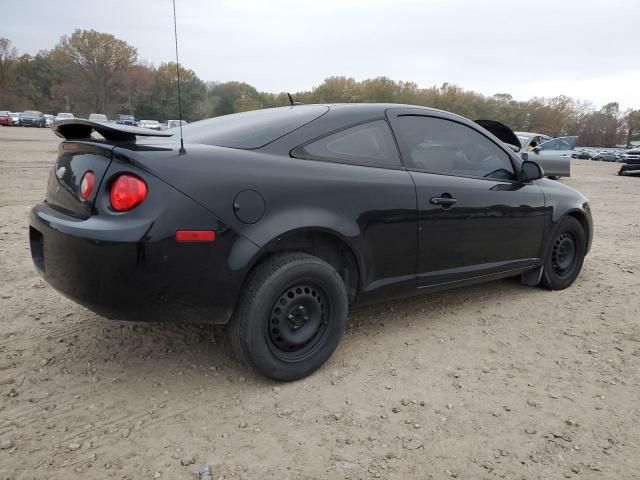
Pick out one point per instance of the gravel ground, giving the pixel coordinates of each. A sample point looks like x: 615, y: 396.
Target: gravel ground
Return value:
x: 492, y: 381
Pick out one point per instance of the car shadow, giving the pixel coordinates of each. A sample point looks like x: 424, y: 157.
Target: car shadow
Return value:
x: 173, y: 349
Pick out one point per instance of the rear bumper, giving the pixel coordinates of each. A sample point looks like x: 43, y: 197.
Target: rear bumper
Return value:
x: 147, y: 276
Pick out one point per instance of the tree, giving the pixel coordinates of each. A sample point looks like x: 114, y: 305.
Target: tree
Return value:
x: 632, y: 121
x: 33, y: 80
x: 99, y: 61
x: 8, y: 55
x: 8, y: 60
x: 231, y: 97
x: 160, y: 101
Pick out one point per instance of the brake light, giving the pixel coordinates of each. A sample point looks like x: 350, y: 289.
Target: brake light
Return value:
x: 195, y: 236
x: 87, y: 184
x: 127, y: 192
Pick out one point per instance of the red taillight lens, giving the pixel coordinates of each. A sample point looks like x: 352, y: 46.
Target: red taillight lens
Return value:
x: 87, y: 184
x: 127, y: 192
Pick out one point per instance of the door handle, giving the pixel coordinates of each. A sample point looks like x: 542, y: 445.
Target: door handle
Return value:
x: 444, y: 202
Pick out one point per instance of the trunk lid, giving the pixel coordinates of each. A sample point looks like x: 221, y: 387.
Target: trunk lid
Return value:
x: 81, y: 153
x: 74, y: 160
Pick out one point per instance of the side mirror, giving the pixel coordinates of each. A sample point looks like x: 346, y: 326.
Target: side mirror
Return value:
x: 537, y: 149
x: 530, y: 171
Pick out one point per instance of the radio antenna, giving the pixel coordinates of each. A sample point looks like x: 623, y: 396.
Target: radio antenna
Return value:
x: 175, y: 34
x: 292, y: 102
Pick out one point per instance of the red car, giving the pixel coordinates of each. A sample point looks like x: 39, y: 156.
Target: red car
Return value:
x: 5, y: 119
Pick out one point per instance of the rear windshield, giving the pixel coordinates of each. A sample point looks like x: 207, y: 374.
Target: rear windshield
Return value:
x: 253, y: 129
x: 30, y: 113
x: 126, y: 117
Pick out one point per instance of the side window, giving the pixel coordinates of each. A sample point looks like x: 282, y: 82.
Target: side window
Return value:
x: 369, y: 144
x: 560, y: 143
x: 550, y: 145
x: 443, y: 146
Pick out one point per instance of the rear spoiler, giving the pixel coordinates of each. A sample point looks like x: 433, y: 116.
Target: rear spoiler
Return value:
x: 79, y: 129
x: 500, y: 130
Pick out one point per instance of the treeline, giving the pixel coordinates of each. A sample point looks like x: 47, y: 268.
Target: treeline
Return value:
x: 93, y: 72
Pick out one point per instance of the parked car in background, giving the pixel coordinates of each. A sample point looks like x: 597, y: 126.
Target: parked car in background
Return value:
x: 582, y: 155
x: 631, y: 157
x: 152, y: 124
x: 553, y: 154
x: 65, y: 116
x: 50, y: 119
x: 277, y: 220
x: 15, y: 117
x: 98, y: 117
x: 32, y: 118
x: 126, y: 120
x: 175, y: 123
x: 605, y: 156
x: 5, y: 118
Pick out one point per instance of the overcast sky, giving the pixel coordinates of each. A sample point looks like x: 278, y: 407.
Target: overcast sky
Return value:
x: 587, y: 49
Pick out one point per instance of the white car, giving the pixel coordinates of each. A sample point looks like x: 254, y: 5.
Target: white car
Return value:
x: 175, y: 123
x: 152, y: 124
x: 65, y: 116
x: 98, y: 117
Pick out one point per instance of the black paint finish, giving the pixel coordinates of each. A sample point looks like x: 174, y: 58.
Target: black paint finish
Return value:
x: 405, y: 229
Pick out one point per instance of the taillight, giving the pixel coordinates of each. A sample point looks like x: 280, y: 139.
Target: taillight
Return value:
x: 127, y: 192
x: 87, y: 184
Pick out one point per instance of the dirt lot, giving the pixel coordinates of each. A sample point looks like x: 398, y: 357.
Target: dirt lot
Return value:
x: 492, y: 381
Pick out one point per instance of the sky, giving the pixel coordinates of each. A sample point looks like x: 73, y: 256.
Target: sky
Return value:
x: 586, y: 49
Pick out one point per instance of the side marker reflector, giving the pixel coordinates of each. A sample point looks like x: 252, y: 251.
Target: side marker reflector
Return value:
x: 195, y: 236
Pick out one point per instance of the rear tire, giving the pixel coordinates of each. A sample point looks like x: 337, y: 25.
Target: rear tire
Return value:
x: 290, y: 317
x: 565, y: 256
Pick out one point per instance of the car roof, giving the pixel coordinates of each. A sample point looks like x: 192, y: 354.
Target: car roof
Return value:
x: 372, y: 110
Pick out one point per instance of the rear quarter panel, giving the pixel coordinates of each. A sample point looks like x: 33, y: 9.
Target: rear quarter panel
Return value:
x: 372, y: 209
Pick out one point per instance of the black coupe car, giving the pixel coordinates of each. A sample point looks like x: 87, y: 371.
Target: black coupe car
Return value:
x: 277, y: 220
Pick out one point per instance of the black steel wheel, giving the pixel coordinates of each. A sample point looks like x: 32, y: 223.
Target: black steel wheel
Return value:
x: 298, y: 322
x: 565, y: 255
x: 290, y: 317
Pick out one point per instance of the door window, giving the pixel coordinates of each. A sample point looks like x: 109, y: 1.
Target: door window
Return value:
x: 444, y: 146
x: 370, y: 143
x: 560, y: 143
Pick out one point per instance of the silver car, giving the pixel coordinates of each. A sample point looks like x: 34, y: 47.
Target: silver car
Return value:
x: 552, y: 154
x: 98, y: 117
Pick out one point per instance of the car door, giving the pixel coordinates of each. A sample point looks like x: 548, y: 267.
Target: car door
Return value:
x: 555, y: 155
x: 474, y: 218
x: 363, y: 179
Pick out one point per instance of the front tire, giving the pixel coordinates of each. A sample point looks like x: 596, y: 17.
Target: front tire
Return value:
x: 290, y: 317
x: 565, y: 256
